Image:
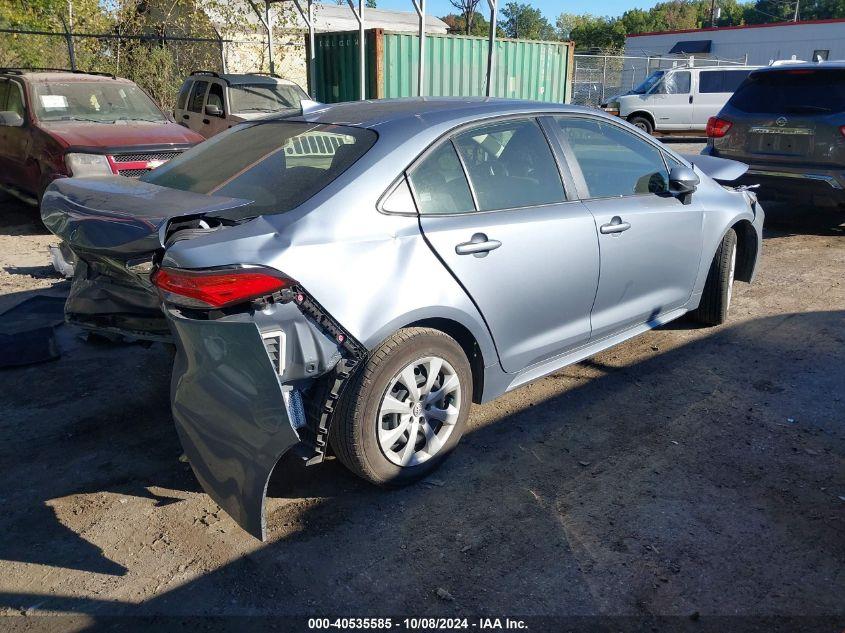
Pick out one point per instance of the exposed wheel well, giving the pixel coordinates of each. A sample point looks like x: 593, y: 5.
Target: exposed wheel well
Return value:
x: 467, y: 342
x: 746, y: 249
x: 645, y: 115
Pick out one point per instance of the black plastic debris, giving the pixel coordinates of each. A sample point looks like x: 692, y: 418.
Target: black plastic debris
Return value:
x: 28, y: 348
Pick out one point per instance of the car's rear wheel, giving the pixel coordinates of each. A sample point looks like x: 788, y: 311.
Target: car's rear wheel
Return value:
x: 405, y: 409
x: 718, y: 289
x: 643, y: 123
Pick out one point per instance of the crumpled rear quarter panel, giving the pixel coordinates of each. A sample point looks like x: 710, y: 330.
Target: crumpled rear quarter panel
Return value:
x: 229, y: 412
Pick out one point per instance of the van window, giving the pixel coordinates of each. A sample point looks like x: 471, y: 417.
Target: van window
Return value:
x: 198, y: 96
x: 4, y: 90
x: 710, y: 81
x: 675, y: 84
x: 182, y: 100
x: 792, y: 91
x: 275, y: 165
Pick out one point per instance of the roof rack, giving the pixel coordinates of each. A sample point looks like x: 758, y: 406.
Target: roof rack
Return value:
x: 21, y: 71
x: 274, y: 75
x: 210, y: 73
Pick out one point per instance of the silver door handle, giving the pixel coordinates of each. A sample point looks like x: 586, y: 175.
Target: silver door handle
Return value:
x: 616, y: 225
x: 479, y: 246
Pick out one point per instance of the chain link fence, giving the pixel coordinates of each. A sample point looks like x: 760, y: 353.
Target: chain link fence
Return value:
x: 598, y: 77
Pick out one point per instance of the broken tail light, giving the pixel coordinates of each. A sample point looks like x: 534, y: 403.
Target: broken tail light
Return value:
x: 217, y: 288
x: 717, y: 128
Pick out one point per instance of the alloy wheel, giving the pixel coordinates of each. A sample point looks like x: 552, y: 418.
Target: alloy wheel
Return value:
x: 418, y: 411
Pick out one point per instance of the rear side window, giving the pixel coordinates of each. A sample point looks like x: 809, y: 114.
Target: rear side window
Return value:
x: 797, y: 91
x: 440, y: 186
x: 720, y: 80
x: 276, y: 165
x: 510, y: 165
x: 197, y: 96
x: 614, y: 162
x: 4, y: 91
x: 184, y: 91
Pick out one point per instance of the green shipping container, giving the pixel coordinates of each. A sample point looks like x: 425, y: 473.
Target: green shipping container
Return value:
x: 455, y: 66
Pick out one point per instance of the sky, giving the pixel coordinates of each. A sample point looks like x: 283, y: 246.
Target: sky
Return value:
x: 550, y: 8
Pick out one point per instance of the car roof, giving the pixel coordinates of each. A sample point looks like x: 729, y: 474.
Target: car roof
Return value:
x: 413, y: 111
x: 43, y: 76
x: 832, y: 65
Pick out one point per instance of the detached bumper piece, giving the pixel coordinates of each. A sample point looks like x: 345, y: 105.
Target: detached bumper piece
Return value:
x: 235, y: 409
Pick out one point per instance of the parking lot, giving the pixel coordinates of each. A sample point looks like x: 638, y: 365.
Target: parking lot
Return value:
x: 688, y: 471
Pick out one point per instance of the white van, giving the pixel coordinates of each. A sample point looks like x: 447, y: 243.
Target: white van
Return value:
x: 680, y: 99
x: 211, y: 102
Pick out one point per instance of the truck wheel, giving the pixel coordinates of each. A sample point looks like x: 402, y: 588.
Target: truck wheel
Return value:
x: 405, y: 410
x: 643, y: 123
x: 718, y: 289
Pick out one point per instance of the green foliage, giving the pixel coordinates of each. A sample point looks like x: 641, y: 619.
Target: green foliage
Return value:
x: 520, y: 20
x: 457, y: 25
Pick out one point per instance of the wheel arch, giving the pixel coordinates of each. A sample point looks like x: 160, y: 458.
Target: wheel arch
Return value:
x: 644, y: 114
x: 468, y: 343
x: 747, y: 243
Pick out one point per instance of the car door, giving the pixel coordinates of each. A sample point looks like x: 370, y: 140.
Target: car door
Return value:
x: 494, y: 209
x: 671, y: 101
x: 194, y: 114
x: 15, y: 141
x: 649, y: 240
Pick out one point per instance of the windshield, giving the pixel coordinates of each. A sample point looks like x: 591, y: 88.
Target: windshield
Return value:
x: 277, y: 165
x: 649, y: 83
x: 94, y: 101
x: 265, y: 98
x: 797, y: 91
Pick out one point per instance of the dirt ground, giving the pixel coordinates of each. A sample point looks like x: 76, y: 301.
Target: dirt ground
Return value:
x: 688, y: 471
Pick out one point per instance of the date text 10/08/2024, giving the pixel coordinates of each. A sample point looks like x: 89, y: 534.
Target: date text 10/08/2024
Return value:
x: 488, y: 624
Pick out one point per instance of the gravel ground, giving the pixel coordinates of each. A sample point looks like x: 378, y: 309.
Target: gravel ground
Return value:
x: 686, y: 471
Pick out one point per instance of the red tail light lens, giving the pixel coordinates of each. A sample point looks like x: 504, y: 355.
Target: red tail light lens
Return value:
x: 217, y: 288
x: 842, y: 130
x: 717, y: 128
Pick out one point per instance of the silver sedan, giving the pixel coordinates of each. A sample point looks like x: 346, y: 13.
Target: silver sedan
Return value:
x: 348, y: 281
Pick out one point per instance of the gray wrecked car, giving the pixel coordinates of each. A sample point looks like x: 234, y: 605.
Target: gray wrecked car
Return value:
x: 350, y: 280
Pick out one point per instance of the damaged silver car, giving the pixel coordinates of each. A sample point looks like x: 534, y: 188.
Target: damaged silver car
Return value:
x: 348, y: 281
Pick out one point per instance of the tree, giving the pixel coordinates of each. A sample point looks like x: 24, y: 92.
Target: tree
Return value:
x: 524, y: 21
x: 468, y: 12
x: 371, y: 4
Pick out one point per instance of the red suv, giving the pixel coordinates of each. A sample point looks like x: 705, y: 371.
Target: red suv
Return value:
x: 57, y: 124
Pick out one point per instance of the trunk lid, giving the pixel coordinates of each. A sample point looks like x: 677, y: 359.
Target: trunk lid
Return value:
x: 118, y: 228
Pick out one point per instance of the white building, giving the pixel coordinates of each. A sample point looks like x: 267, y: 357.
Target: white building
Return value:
x: 757, y: 44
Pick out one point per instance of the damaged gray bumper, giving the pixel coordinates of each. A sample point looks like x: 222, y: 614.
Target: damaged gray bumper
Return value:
x: 236, y: 402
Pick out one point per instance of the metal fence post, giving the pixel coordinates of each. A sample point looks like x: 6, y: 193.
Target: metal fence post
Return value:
x: 420, y: 7
x: 491, y: 50
x: 603, y: 78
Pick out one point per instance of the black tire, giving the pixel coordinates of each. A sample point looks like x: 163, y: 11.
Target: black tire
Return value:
x: 354, y: 432
x: 716, y: 298
x: 643, y: 123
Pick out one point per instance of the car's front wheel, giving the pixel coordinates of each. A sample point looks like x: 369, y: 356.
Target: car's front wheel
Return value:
x: 718, y: 289
x: 405, y: 409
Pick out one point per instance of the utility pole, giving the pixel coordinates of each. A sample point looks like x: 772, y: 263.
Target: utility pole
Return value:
x: 713, y: 13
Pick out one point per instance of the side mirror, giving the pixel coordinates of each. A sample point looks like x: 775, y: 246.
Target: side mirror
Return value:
x: 11, y: 119
x: 213, y: 110
x: 682, y: 180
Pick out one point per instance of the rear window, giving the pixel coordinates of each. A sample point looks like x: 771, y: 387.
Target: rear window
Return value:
x: 277, y: 165
x: 798, y: 91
